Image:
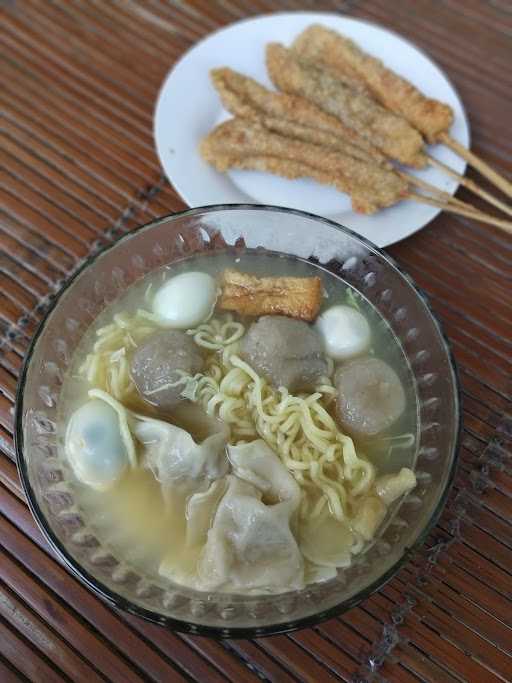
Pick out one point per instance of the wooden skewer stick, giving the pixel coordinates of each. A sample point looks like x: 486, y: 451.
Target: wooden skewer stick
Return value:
x: 475, y: 215
x: 470, y: 184
x: 492, y: 175
x: 435, y: 191
x: 446, y: 198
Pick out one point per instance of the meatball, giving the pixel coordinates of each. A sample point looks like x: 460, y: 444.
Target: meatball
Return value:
x: 288, y: 353
x: 370, y: 396
x: 156, y: 363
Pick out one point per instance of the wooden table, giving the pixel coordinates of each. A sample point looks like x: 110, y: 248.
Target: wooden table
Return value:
x: 79, y: 81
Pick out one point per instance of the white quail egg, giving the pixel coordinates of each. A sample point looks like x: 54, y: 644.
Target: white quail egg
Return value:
x: 186, y: 300
x: 345, y: 332
x: 94, y: 445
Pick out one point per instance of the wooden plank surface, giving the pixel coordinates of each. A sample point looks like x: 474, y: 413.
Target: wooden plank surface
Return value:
x: 77, y: 164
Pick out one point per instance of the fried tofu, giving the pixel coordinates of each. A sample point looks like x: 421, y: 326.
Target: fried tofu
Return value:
x: 295, y: 297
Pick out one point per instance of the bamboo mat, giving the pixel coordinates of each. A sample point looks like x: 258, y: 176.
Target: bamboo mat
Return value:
x: 79, y: 80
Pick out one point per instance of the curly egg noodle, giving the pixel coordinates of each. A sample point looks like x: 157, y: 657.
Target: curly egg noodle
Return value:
x: 300, y: 429
x: 108, y: 367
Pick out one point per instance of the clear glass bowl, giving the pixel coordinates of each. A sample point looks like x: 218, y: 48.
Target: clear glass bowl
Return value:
x: 234, y: 227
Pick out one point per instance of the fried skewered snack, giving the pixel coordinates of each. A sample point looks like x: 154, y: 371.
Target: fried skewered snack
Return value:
x: 390, y: 133
x: 295, y: 117
x: 326, y: 47
x: 244, y: 96
x: 242, y: 143
x: 432, y: 118
x: 245, y: 144
x: 241, y: 95
x: 289, y: 115
x: 307, y: 79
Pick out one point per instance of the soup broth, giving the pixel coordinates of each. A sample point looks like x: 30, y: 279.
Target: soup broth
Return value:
x: 151, y: 526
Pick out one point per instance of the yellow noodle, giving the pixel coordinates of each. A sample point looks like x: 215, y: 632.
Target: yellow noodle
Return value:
x: 107, y: 368
x: 299, y: 428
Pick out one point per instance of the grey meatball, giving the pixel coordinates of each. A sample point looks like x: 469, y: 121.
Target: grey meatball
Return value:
x: 156, y: 362
x: 288, y: 353
x: 370, y: 397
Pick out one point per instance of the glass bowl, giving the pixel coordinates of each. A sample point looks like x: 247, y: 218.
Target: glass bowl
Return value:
x: 203, y: 230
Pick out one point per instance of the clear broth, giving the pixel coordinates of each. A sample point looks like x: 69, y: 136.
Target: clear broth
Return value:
x: 132, y: 518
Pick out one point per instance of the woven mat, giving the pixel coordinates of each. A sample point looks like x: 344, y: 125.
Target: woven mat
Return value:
x: 79, y: 80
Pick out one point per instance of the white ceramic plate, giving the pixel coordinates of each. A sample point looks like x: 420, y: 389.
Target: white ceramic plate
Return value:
x: 188, y: 107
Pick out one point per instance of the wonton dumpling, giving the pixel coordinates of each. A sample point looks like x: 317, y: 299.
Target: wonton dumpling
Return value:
x: 258, y: 464
x: 326, y: 541
x: 201, y: 509
x: 250, y: 545
x: 176, y: 459
x: 316, y: 573
x: 180, y: 566
x: 368, y: 517
x: 389, y: 487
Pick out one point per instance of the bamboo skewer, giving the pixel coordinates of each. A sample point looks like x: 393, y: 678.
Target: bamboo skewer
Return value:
x: 445, y: 201
x: 475, y: 215
x: 435, y: 191
x: 470, y: 184
x: 502, y: 183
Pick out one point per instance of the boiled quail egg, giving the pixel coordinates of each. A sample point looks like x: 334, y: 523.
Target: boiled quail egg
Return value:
x: 345, y: 332
x: 186, y: 300
x: 94, y: 445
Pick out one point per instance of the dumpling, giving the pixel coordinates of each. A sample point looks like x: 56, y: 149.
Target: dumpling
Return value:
x: 368, y: 517
x: 239, y: 530
x: 257, y: 463
x: 316, y: 573
x: 176, y: 459
x: 200, y: 510
x: 181, y: 565
x: 98, y: 443
x: 250, y: 545
x: 389, y: 487
x: 326, y: 541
